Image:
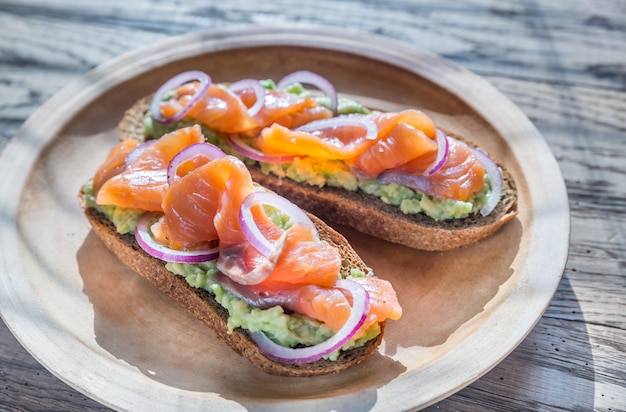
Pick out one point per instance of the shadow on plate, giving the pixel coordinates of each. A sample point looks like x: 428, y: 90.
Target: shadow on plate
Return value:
x: 439, y: 291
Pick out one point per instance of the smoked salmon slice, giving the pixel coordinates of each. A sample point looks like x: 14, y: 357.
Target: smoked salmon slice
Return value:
x: 402, y: 137
x: 334, y: 143
x: 351, y: 141
x: 114, y: 163
x: 142, y: 183
x: 332, y: 306
x: 285, y: 109
x: 226, y: 111
x: 326, y: 304
x: 460, y: 176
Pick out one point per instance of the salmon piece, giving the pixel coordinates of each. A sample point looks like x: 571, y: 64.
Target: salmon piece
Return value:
x: 383, y: 301
x: 195, y: 202
x: 402, y: 137
x: 300, y: 260
x: 415, y: 118
x: 308, y: 114
x: 305, y: 260
x: 314, y: 302
x: 331, y: 305
x: 225, y: 111
x: 142, y: 184
x: 237, y: 185
x: 337, y: 143
x: 113, y: 164
x: 459, y: 177
x: 401, y: 144
x: 285, y: 109
x: 327, y: 305
x: 222, y: 110
x: 407, y: 145
x: 349, y: 142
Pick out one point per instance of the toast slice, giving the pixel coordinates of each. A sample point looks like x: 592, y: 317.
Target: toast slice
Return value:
x: 364, y: 212
x: 210, y: 313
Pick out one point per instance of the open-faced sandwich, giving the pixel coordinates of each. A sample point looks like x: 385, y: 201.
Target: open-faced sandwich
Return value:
x: 395, y: 176
x: 275, y: 283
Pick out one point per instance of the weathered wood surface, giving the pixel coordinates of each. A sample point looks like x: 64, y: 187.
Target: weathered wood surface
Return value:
x: 562, y: 63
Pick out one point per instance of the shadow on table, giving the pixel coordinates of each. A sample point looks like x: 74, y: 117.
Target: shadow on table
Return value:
x: 541, y: 367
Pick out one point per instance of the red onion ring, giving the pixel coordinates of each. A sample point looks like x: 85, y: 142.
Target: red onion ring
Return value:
x: 371, y: 129
x: 159, y: 251
x: 251, y: 230
x: 254, y: 154
x: 259, y: 92
x: 414, y: 181
x: 207, y: 150
x: 443, y: 147
x: 313, y: 79
x: 174, y: 82
x: 492, y: 169
x: 360, y: 310
x: 137, y: 151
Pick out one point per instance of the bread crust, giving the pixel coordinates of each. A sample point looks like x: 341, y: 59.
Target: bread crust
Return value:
x: 211, y: 314
x: 367, y: 213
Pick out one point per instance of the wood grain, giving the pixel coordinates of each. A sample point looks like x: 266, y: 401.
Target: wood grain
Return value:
x: 562, y: 63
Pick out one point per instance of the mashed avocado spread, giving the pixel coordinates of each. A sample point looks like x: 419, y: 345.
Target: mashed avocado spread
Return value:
x: 320, y: 172
x: 286, y: 329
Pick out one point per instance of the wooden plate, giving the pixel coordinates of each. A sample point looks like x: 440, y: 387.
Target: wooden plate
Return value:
x: 110, y: 335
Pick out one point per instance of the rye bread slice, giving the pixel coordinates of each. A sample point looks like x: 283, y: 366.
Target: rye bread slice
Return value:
x: 211, y: 314
x: 367, y: 213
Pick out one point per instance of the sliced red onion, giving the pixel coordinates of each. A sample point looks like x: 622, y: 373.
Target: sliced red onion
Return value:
x: 259, y: 92
x: 208, y: 150
x: 137, y: 151
x: 495, y: 175
x: 360, y: 310
x: 251, y: 230
x: 254, y: 154
x: 371, y: 129
x: 159, y: 251
x: 414, y: 181
x: 443, y: 147
x: 313, y: 79
x: 173, y: 83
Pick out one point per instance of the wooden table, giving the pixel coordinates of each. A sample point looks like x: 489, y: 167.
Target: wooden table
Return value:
x: 562, y: 63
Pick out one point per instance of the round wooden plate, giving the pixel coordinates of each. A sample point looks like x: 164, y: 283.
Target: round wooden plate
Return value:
x: 109, y: 334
